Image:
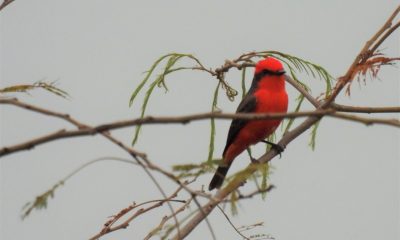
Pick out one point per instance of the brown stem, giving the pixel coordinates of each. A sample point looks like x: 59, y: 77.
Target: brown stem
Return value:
x: 5, y: 3
x: 353, y: 109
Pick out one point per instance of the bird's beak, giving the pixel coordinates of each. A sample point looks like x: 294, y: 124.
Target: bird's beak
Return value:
x: 281, y: 72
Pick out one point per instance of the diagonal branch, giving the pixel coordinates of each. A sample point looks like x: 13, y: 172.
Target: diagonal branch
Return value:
x: 108, y: 227
x: 366, y: 52
x: 303, y: 91
x: 238, y: 181
x: 288, y: 137
x: 5, y: 3
x: 231, y: 223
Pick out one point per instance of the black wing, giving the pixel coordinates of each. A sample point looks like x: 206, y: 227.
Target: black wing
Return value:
x: 247, y: 105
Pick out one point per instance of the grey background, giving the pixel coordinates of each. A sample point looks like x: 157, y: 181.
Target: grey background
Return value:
x: 348, y: 188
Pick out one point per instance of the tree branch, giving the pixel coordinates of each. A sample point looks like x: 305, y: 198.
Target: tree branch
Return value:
x: 231, y: 223
x: 365, y: 53
x: 5, y: 3
x: 353, y: 109
x: 108, y: 226
x: 303, y: 91
x: 166, y: 218
x: 85, y: 130
x: 367, y: 121
x: 102, y: 129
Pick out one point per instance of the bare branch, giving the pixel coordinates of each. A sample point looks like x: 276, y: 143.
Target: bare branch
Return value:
x: 102, y: 129
x: 230, y: 222
x: 166, y: 218
x: 5, y: 3
x: 387, y: 34
x: 303, y: 91
x: 63, y: 116
x: 367, y: 121
x: 353, y: 109
x: 85, y: 130
x: 108, y: 226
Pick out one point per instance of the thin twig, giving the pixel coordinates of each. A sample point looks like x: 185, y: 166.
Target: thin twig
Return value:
x: 166, y: 218
x: 387, y: 34
x: 367, y: 121
x: 230, y: 222
x: 43, y: 198
x: 252, y: 194
x: 108, y: 227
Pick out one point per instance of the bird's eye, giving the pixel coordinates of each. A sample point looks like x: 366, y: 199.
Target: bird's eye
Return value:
x: 274, y: 73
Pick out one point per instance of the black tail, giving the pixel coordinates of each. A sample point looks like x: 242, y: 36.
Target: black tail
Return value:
x: 219, y: 177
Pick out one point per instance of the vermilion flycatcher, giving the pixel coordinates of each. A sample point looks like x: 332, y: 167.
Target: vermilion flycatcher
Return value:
x: 267, y: 94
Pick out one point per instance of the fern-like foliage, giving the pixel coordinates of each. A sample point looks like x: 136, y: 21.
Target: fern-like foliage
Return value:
x: 41, y: 201
x: 296, y: 64
x: 171, y: 60
x: 26, y: 88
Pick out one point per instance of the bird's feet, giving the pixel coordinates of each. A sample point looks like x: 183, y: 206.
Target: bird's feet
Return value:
x: 252, y: 159
x: 278, y: 148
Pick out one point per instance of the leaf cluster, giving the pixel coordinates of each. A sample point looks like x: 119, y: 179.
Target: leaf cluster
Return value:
x: 26, y: 88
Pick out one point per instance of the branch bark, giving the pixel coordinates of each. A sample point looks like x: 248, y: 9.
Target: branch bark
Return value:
x: 86, y: 130
x: 5, y: 3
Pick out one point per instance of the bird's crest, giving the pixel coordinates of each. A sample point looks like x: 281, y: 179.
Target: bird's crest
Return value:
x: 270, y: 64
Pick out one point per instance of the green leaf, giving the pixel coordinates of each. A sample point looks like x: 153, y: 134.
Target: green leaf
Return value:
x: 299, y: 101
x: 147, y: 77
x: 172, y: 59
x: 233, y: 201
x: 212, y: 122
x: 265, y: 174
x: 300, y: 65
x: 40, y: 201
x: 313, y: 135
x: 244, y: 91
x: 25, y: 88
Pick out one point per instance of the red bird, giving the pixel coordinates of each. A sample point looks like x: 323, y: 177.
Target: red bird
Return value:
x: 267, y: 94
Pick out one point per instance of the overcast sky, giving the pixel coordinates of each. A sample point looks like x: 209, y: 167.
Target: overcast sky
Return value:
x: 97, y: 51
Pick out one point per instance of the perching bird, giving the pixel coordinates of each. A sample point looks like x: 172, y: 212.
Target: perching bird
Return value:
x: 267, y: 94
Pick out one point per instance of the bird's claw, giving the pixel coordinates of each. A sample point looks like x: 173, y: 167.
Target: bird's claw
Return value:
x: 253, y: 160
x: 278, y: 148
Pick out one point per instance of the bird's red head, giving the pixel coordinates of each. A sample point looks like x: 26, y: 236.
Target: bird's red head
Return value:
x: 271, y: 65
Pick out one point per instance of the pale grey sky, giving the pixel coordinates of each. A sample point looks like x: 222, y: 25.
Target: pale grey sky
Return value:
x: 348, y: 188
